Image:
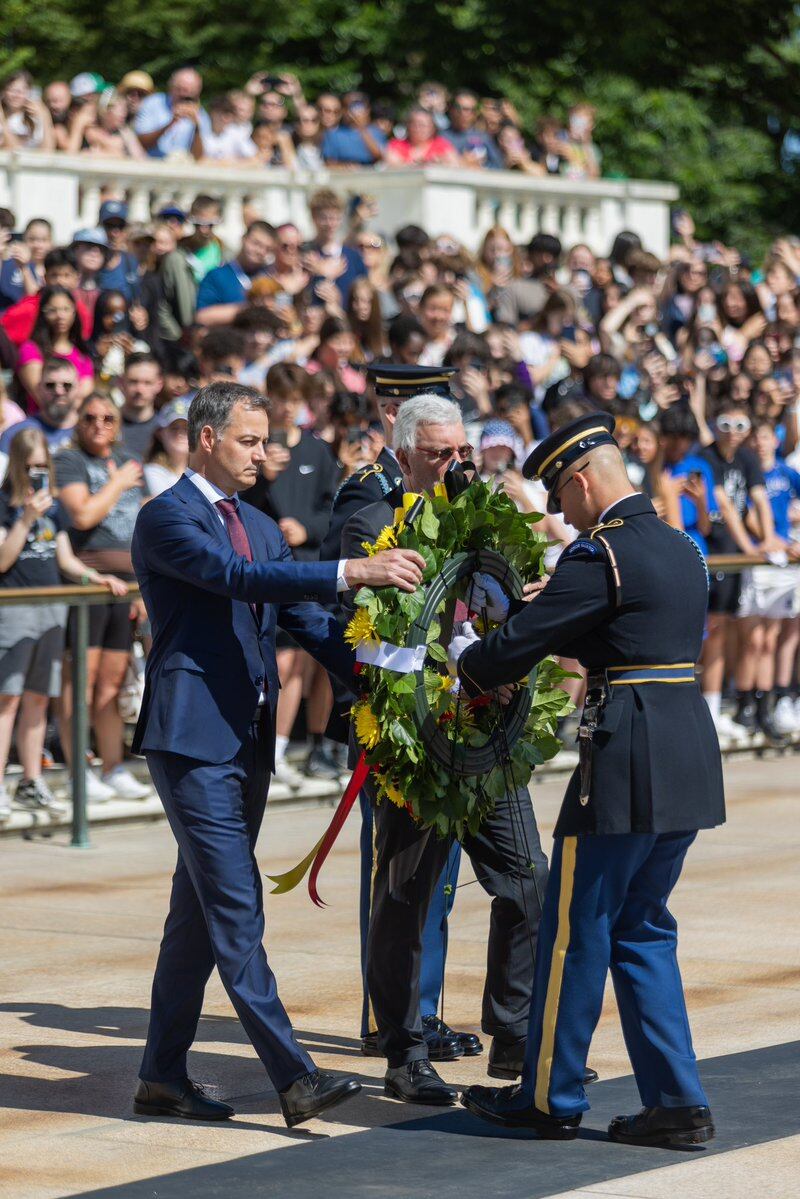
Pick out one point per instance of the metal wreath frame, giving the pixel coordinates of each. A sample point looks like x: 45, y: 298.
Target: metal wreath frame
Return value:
x: 467, y: 759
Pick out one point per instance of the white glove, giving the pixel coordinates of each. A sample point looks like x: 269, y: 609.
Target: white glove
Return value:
x: 462, y: 641
x: 487, y: 593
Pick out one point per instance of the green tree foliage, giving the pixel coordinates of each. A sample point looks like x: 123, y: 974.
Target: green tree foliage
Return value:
x: 700, y: 94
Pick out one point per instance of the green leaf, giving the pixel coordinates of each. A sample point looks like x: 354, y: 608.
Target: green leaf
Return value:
x: 429, y: 523
x: 437, y: 652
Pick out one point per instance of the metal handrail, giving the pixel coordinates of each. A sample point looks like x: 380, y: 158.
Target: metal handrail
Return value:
x: 81, y: 598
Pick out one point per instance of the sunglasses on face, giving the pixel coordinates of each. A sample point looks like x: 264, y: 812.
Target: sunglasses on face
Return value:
x: 114, y: 226
x: 57, y: 385
x: 566, y: 482
x: 461, y: 451
x: 733, y: 424
x: 370, y: 245
x: 98, y: 418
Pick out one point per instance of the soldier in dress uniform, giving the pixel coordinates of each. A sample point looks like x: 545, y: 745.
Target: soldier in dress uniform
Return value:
x: 382, y: 483
x: 628, y: 600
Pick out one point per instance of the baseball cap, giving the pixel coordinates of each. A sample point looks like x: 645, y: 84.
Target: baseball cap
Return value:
x: 113, y: 210
x: 91, y: 237
x: 87, y: 83
x: 171, y: 211
x: 138, y: 81
x: 501, y: 433
x: 175, y: 410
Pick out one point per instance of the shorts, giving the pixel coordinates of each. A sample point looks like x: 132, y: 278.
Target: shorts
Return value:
x: 110, y: 627
x: 723, y: 593
x: 771, y: 592
x: 31, y: 649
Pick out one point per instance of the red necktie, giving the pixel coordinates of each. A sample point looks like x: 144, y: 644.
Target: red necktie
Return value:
x: 236, y: 530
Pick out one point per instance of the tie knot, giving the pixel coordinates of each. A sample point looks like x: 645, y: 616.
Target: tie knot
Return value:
x: 229, y: 507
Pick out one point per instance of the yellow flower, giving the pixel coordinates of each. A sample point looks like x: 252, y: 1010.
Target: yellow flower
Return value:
x: 390, y: 790
x: 360, y: 629
x: 386, y: 540
x: 368, y: 731
x: 446, y: 682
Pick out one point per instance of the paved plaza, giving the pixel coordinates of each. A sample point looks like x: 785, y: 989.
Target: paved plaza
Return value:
x: 79, y: 935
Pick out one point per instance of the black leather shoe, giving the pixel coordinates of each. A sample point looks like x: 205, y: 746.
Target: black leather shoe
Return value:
x: 369, y: 1045
x: 664, y: 1126
x: 315, y: 1093
x: 418, y: 1082
x: 435, y: 1031
x: 185, y: 1099
x: 510, y: 1108
x: 506, y: 1059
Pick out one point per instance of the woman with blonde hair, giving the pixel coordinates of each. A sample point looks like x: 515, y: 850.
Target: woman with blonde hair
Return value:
x: 102, y: 489
x: 34, y: 552
x: 498, y: 259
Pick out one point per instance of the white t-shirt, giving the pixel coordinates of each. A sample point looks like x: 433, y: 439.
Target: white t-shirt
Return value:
x: 159, y: 478
x: 233, y: 142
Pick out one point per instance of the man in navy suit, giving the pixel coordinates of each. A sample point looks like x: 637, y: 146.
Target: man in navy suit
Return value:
x: 217, y: 576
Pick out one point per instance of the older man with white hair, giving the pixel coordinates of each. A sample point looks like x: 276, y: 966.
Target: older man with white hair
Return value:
x: 173, y: 122
x: 428, y: 436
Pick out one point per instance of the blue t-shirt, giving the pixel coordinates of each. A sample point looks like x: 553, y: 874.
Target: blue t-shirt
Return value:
x: 783, y: 486
x: 227, y: 284
x: 345, y: 144
x: 355, y: 269
x: 691, y: 465
x: 56, y: 438
x: 123, y: 277
x: 472, y: 141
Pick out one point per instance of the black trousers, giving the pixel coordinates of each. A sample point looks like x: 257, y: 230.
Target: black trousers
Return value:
x: 509, y: 864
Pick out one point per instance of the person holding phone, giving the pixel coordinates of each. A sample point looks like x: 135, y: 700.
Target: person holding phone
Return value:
x: 34, y: 552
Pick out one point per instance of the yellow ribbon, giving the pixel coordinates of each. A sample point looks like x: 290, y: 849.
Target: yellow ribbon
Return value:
x: 292, y: 878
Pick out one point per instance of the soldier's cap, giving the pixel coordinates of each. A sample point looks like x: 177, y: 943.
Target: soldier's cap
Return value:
x: 403, y: 382
x: 560, y: 449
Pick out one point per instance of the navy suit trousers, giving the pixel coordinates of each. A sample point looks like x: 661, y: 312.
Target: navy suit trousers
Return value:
x: 216, y: 913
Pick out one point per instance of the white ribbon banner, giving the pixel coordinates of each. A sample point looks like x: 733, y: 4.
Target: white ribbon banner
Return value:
x: 391, y: 657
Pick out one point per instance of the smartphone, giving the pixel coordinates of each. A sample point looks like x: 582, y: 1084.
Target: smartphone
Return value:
x: 40, y: 480
x: 568, y: 333
x: 279, y: 437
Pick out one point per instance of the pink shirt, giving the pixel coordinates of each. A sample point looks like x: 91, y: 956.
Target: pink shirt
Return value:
x: 438, y: 149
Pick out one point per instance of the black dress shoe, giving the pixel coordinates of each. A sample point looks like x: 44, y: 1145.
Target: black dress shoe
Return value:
x: 315, y: 1093
x: 435, y: 1031
x: 185, y: 1099
x: 418, y: 1082
x: 509, y: 1107
x: 664, y: 1126
x: 369, y: 1045
x: 507, y: 1058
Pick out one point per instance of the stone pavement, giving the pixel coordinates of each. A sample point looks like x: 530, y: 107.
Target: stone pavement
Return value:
x: 79, y: 933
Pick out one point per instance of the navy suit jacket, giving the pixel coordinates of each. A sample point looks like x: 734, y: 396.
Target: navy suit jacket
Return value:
x: 212, y: 654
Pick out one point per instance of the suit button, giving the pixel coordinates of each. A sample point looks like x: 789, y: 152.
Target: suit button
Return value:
x: 259, y: 680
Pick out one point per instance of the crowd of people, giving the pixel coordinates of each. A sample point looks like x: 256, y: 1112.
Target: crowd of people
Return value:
x: 104, y: 341
x: 269, y: 122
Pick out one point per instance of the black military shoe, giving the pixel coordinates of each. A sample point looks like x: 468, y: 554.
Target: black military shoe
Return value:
x: 510, y: 1108
x: 664, y: 1126
x: 186, y: 1099
x: 369, y: 1045
x: 418, y: 1082
x: 315, y: 1093
x: 435, y: 1030
x: 507, y: 1058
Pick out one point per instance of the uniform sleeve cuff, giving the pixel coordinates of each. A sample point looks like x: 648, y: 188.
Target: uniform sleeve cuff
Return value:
x: 341, y: 581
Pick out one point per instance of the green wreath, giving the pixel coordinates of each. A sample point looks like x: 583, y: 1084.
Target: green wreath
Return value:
x: 443, y: 757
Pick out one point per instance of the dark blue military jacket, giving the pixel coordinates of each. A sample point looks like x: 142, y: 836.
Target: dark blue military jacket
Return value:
x: 631, y: 593
x: 366, y: 486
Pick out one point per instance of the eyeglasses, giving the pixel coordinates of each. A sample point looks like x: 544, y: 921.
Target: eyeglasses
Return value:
x: 733, y: 424
x: 96, y: 418
x: 57, y: 385
x: 273, y: 103
x: 585, y: 466
x: 288, y: 245
x: 370, y: 245
x: 205, y: 224
x: 114, y: 226
x: 32, y: 466
x: 460, y: 451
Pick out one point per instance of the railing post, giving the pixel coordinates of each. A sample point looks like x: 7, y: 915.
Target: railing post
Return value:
x: 80, y: 729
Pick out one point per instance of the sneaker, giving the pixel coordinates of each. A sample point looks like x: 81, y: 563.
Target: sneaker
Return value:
x: 5, y: 804
x: 123, y: 785
x: 285, y: 773
x: 729, y: 730
x: 35, y: 796
x: 785, y: 716
x: 320, y: 766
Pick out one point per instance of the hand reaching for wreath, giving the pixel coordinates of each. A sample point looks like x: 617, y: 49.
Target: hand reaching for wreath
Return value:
x: 460, y: 642
x: 487, y: 593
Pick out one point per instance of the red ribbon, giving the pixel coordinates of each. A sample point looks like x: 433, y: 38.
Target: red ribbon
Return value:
x: 351, y: 791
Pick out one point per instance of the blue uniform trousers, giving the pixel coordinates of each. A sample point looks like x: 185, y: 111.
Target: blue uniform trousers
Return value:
x: 216, y: 913
x: 434, y: 934
x: 606, y: 907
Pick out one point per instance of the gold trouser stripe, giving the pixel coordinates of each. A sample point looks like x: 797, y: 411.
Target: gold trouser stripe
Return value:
x: 690, y: 678
x: 373, y: 1023
x: 560, y: 946
x: 649, y: 666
